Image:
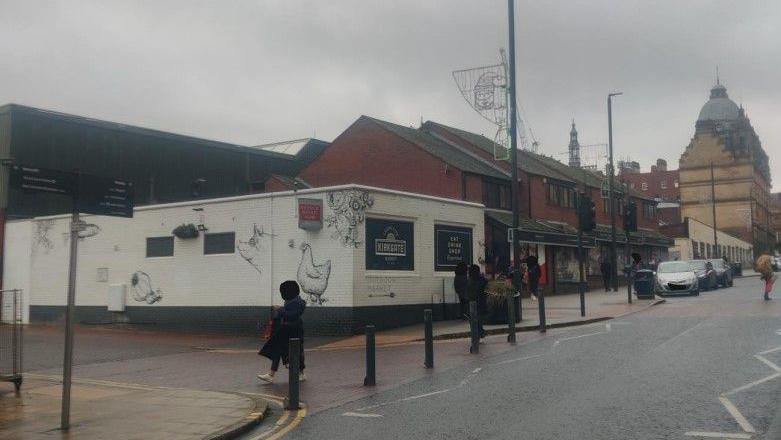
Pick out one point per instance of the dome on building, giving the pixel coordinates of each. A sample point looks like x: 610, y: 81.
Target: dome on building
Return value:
x: 719, y: 107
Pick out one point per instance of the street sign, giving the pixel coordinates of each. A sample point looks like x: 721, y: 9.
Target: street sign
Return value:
x: 105, y: 196
x: 43, y: 180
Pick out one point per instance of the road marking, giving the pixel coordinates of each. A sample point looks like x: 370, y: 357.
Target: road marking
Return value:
x: 753, y: 384
x: 579, y: 336
x: 366, y: 415
x: 772, y: 350
x: 733, y: 410
x: 280, y: 431
x: 767, y: 362
x: 718, y: 435
x: 509, y: 361
x: 421, y: 396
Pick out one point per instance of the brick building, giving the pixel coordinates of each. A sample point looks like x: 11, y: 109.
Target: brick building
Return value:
x: 447, y: 162
x: 659, y: 183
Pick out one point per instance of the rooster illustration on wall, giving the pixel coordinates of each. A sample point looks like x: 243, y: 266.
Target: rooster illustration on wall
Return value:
x: 313, y: 278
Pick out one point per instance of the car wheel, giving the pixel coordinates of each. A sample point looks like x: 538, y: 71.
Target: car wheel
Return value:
x: 696, y: 292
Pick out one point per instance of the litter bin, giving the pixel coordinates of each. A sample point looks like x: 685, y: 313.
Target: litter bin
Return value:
x: 644, y: 284
x: 737, y: 270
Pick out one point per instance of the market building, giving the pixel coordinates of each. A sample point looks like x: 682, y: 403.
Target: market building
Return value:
x: 695, y: 240
x: 726, y: 152
x: 362, y: 255
x: 447, y: 162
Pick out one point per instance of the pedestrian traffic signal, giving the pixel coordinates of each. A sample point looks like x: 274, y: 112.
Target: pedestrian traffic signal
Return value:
x: 630, y: 217
x: 587, y: 214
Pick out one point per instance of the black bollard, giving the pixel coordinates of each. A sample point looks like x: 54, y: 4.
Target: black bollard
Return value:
x: 541, y: 304
x: 371, y: 376
x: 294, y: 369
x: 429, y: 337
x: 511, y: 318
x: 474, y: 348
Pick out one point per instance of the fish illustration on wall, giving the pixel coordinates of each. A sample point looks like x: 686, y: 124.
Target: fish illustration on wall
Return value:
x: 142, y: 288
x: 313, y: 278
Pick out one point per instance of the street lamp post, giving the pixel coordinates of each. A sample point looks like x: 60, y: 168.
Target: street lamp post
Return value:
x: 611, y: 199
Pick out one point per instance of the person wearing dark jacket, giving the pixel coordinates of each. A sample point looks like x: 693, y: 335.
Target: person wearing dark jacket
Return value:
x: 459, y: 285
x: 606, y: 269
x: 475, y: 290
x: 533, y: 274
x: 288, y: 324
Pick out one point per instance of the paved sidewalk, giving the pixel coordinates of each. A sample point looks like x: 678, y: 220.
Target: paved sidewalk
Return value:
x: 108, y: 410
x: 560, y: 311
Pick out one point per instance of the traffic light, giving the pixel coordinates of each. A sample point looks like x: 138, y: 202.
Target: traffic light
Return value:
x: 630, y: 217
x: 587, y: 214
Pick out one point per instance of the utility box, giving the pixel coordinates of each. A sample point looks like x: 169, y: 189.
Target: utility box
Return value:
x: 116, y: 297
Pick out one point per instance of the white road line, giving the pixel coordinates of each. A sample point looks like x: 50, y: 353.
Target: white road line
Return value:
x: 733, y: 410
x: 509, y: 361
x: 753, y: 384
x: 580, y: 336
x: 718, y: 435
x: 608, y: 327
x: 365, y: 415
x: 421, y: 396
x: 772, y: 350
x: 767, y: 362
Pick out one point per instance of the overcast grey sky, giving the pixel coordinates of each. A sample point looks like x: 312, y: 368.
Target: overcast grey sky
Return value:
x: 252, y: 72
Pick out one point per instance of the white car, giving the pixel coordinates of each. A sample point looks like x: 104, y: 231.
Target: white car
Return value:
x: 676, y: 278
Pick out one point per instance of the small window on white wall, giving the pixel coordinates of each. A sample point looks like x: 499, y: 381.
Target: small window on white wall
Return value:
x: 159, y: 247
x: 219, y: 243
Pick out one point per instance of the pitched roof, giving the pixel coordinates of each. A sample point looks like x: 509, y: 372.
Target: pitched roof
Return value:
x: 539, y: 164
x: 447, y: 153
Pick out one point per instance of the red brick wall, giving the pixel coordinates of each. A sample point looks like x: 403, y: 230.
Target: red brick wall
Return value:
x: 542, y: 210
x: 474, y: 188
x: 654, y: 182
x: 368, y: 154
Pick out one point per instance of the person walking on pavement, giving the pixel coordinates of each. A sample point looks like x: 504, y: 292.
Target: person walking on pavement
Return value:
x: 475, y: 289
x: 288, y: 324
x: 605, y: 269
x: 765, y: 268
x: 459, y: 285
x: 533, y: 274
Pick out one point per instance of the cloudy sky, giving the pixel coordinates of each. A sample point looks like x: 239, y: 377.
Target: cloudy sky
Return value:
x: 252, y: 72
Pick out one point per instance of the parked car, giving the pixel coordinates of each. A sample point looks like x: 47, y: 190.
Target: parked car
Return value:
x: 676, y: 278
x: 723, y: 272
x: 776, y: 263
x: 706, y: 276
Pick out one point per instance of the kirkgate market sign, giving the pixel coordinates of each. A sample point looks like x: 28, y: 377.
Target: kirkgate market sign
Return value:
x: 389, y: 245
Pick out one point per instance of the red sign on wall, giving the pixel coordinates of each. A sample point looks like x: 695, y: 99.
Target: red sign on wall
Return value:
x: 310, y: 214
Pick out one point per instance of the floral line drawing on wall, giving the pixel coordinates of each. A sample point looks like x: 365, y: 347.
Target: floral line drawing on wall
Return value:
x: 348, y: 210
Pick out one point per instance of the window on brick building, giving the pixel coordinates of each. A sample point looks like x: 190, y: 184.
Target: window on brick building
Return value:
x: 695, y: 250
x: 496, y: 195
x: 219, y: 243
x: 644, y: 186
x: 663, y: 184
x: 675, y: 184
x: 560, y: 195
x: 159, y: 247
x: 632, y: 185
x: 649, y: 210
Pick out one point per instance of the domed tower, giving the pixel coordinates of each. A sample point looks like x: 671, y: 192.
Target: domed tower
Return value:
x: 574, y: 147
x: 725, y: 142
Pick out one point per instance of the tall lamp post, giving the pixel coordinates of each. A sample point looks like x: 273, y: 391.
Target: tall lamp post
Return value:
x: 611, y: 199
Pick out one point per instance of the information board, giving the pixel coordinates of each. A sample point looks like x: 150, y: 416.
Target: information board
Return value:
x: 390, y: 245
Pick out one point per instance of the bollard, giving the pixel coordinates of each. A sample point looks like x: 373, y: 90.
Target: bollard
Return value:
x: 429, y: 336
x: 294, y: 369
x: 541, y: 302
x: 474, y: 348
x: 511, y: 318
x: 371, y: 376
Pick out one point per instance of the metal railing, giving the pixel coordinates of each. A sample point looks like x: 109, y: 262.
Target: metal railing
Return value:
x: 11, y: 336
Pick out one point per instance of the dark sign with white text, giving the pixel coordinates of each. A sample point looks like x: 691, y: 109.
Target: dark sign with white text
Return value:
x: 451, y: 245
x: 389, y: 245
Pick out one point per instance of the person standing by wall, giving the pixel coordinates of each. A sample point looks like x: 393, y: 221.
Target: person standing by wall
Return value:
x: 533, y: 273
x: 288, y: 324
x: 476, y: 292
x: 765, y: 269
x: 606, y: 270
x: 459, y: 285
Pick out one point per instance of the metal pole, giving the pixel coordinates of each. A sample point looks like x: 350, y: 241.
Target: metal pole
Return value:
x: 474, y: 348
x: 611, y: 200
x: 511, y: 317
x: 67, y: 369
x: 294, y: 369
x: 429, y: 337
x: 629, y: 269
x: 514, y: 190
x: 541, y: 301
x: 713, y: 206
x: 371, y: 374
x: 581, y: 271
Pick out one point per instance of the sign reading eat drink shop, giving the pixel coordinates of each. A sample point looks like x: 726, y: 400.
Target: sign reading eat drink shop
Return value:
x: 452, y: 245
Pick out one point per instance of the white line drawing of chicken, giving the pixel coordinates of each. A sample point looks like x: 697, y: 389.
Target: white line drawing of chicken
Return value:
x: 313, y: 278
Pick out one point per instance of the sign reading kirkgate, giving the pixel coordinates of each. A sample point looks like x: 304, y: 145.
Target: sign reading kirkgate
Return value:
x: 452, y: 246
x: 389, y: 245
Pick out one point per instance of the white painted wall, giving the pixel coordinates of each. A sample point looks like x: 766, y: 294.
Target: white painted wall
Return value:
x: 190, y: 278
x: 17, y: 263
